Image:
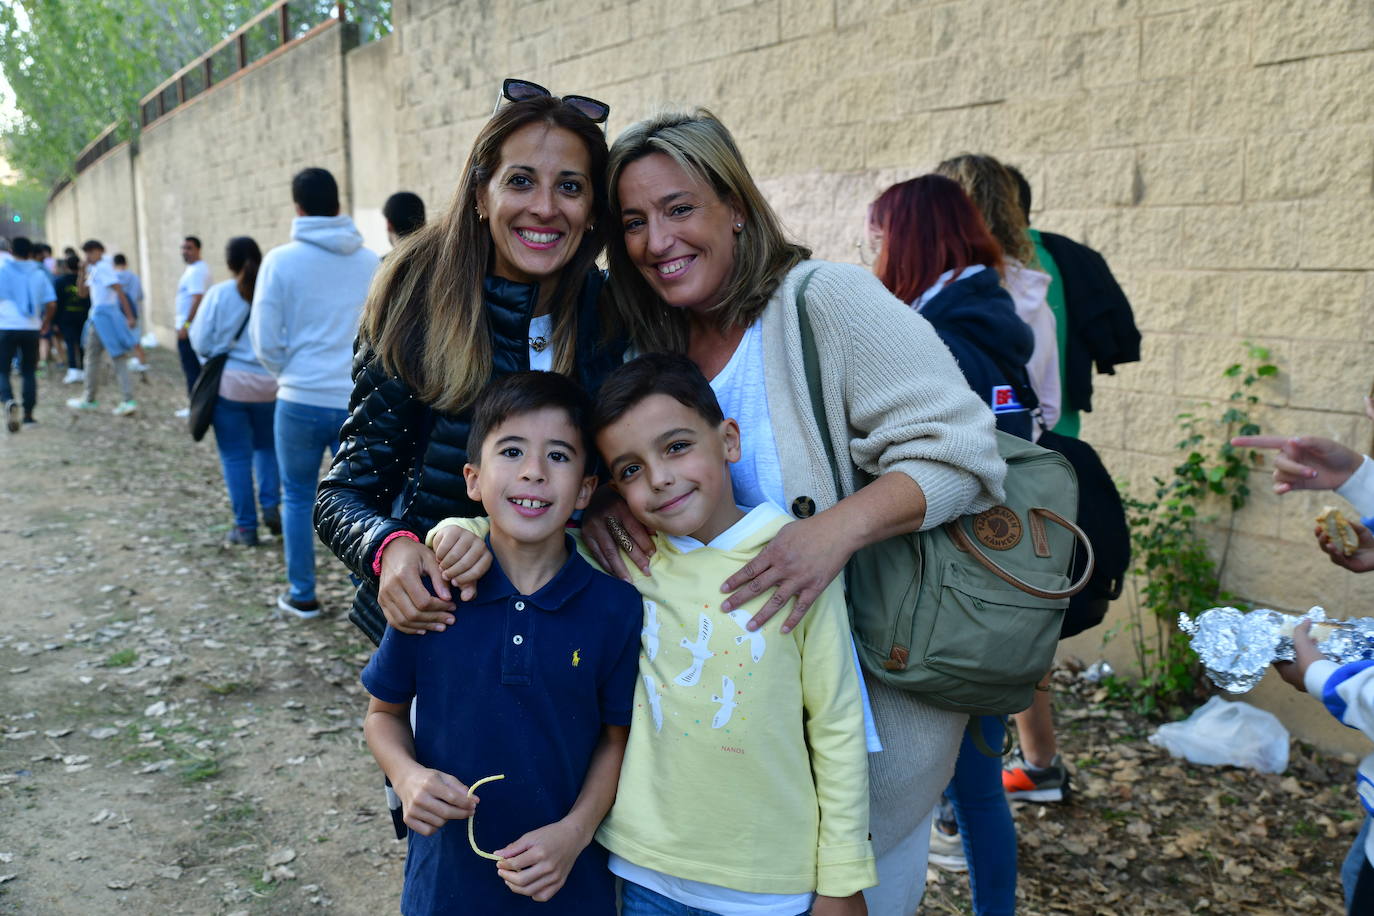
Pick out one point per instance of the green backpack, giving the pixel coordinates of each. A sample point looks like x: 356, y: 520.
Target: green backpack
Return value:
x: 934, y: 614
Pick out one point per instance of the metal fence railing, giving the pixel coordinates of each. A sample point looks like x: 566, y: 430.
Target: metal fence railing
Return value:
x: 270, y: 32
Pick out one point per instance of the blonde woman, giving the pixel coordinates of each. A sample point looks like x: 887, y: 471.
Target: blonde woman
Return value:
x: 700, y: 265
x: 505, y: 280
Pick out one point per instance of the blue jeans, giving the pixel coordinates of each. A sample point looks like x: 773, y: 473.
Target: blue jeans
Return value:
x: 640, y: 901
x: 1354, y: 861
x: 243, y: 433
x: 985, y: 824
x: 303, y: 433
x: 190, y: 364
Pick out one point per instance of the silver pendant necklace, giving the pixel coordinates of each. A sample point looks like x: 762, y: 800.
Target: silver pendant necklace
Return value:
x: 539, y: 344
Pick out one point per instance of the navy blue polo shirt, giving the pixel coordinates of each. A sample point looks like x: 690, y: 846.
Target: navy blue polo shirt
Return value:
x: 520, y: 685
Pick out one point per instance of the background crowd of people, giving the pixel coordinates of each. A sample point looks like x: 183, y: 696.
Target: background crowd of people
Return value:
x: 962, y: 321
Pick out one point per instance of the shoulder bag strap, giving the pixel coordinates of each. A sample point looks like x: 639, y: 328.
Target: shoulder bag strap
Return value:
x: 812, y: 366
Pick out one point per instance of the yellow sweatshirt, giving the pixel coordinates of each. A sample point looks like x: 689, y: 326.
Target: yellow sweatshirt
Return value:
x: 746, y: 766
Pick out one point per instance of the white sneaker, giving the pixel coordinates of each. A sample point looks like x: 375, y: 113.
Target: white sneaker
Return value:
x: 73, y: 376
x: 137, y: 365
x: 946, y: 850
x: 123, y: 410
x: 82, y: 404
x: 183, y: 413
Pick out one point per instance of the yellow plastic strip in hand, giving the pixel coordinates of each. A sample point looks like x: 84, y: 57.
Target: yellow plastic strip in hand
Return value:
x: 472, y: 839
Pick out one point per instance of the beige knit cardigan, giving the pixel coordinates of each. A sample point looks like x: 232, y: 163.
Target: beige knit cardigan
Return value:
x: 895, y: 399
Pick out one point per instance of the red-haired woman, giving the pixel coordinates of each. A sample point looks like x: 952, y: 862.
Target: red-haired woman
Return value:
x: 936, y: 253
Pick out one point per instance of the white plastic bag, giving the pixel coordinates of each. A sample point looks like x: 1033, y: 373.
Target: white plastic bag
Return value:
x: 1219, y: 733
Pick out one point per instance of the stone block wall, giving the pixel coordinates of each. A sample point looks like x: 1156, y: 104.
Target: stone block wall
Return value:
x: 1219, y: 153
x: 221, y: 165
x: 105, y: 203
x: 60, y: 224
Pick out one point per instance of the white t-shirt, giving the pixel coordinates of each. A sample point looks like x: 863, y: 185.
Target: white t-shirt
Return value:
x: 195, y: 280
x: 101, y: 278
x: 757, y: 476
x: 541, y: 329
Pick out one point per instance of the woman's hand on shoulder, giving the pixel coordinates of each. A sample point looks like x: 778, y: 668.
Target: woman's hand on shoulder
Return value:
x: 408, y: 605
x: 603, y: 521
x: 802, y: 559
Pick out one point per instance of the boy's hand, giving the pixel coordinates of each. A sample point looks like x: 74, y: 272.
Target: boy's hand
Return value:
x: 537, y: 864
x: 1362, y: 560
x: 853, y: 905
x: 406, y: 603
x: 430, y: 799
x: 1305, y: 652
x: 463, y: 557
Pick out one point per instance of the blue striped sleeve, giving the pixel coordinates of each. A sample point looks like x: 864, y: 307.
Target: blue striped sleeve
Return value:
x: 1330, y: 695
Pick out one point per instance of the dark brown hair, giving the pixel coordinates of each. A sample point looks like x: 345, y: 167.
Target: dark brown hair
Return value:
x: 655, y: 373
x: 425, y: 316
x: 243, y: 257
x: 525, y: 392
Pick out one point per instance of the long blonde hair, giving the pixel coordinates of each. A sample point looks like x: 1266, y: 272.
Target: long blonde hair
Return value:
x: 425, y: 316
x: 699, y: 143
x: 998, y: 199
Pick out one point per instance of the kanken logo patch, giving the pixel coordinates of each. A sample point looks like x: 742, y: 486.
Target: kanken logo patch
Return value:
x: 1004, y: 399
x: 998, y: 528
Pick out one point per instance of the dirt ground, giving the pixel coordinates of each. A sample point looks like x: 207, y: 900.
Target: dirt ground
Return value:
x: 167, y: 746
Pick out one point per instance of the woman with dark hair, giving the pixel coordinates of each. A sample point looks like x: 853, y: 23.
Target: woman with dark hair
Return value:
x: 700, y: 265
x: 936, y: 253
x: 247, y: 395
x: 505, y: 280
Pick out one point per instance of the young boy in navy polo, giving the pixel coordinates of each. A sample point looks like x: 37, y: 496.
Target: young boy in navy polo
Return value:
x: 534, y: 682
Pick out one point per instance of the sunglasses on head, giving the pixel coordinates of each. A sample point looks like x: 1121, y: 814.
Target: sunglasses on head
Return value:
x: 513, y: 90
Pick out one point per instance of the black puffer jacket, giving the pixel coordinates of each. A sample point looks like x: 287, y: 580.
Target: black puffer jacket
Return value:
x: 388, y: 426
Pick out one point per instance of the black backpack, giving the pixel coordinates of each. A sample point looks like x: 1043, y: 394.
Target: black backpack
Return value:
x: 1102, y: 517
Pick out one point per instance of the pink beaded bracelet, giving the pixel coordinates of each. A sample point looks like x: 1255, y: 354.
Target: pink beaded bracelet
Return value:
x: 377, y: 558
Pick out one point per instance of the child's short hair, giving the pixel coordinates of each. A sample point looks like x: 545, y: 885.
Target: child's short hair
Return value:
x: 655, y: 373
x: 525, y: 392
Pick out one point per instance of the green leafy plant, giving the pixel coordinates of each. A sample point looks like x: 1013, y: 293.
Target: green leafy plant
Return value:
x: 1174, y: 563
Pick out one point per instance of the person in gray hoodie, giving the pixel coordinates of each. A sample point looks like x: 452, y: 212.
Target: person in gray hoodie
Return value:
x: 309, y: 295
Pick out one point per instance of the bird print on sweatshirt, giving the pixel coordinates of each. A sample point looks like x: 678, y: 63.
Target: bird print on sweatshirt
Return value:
x: 726, y: 701
x: 655, y: 701
x: 649, y: 634
x: 755, y: 639
x: 700, y: 652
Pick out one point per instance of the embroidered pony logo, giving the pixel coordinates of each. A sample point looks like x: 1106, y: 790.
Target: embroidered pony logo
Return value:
x: 577, y: 658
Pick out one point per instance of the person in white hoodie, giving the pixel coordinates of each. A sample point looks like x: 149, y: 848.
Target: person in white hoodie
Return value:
x: 309, y: 295
x: 1318, y: 463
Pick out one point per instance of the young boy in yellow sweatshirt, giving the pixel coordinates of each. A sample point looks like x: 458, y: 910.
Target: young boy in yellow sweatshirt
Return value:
x: 745, y: 783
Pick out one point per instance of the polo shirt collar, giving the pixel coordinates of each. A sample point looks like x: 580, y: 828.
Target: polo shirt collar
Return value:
x: 563, y: 587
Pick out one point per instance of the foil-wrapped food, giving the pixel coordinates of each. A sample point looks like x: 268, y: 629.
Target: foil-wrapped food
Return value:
x: 1237, y: 646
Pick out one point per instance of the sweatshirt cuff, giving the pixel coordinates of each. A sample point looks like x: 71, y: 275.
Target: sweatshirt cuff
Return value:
x: 434, y: 532
x: 1358, y: 490
x: 845, y: 870
x: 1317, y: 675
x: 948, y: 493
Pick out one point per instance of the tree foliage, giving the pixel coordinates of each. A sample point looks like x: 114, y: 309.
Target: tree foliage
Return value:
x: 77, y: 66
